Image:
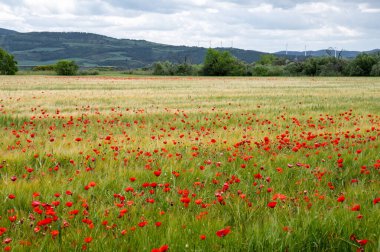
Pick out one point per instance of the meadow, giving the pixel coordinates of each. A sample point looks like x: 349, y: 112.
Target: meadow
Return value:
x: 189, y: 164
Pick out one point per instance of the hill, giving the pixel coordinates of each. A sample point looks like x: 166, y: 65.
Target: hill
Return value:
x: 325, y: 52
x: 89, y: 50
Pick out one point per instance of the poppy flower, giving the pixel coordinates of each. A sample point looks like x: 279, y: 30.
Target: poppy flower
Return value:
x: 163, y: 248
x: 7, y: 240
x: 87, y: 239
x: 157, y: 173
x: 143, y: 224
x: 54, y: 233
x: 272, y: 204
x: 2, y: 230
x: 375, y: 201
x: 355, y: 208
x: 362, y: 242
x: 45, y: 222
x: 223, y: 232
x: 279, y: 196
x: 341, y: 198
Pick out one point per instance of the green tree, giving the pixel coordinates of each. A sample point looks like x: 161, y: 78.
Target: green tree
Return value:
x: 163, y: 68
x: 376, y: 69
x: 267, y: 59
x: 294, y: 69
x: 331, y: 66
x: 222, y: 63
x: 8, y: 65
x: 311, y: 66
x: 66, y: 67
x: 260, y: 70
x: 361, y: 65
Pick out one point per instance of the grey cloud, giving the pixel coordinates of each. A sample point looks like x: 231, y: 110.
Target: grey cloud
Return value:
x: 320, y: 23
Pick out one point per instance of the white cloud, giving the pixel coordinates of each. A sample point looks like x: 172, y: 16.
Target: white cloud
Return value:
x: 365, y: 8
x: 250, y: 24
x: 49, y: 7
x: 316, y: 8
x: 262, y: 8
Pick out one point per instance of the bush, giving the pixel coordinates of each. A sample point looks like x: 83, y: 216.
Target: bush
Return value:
x: 89, y: 72
x: 65, y: 67
x: 163, y: 68
x: 267, y: 59
x: 265, y: 70
x: 294, y: 69
x: 8, y: 65
x: 260, y: 70
x: 375, y: 70
x: 44, y: 68
x: 168, y: 68
x: 361, y: 65
x: 222, y: 64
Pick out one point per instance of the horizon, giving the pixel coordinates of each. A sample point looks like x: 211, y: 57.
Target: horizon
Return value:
x: 216, y: 47
x: 266, y: 26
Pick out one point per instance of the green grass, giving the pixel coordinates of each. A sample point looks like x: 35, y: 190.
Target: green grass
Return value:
x: 226, y: 145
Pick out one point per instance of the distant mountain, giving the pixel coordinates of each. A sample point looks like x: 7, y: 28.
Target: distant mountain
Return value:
x: 326, y: 52
x: 6, y: 32
x: 87, y: 49
x: 90, y: 50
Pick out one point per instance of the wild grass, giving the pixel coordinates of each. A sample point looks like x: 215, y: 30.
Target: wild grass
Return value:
x: 225, y: 148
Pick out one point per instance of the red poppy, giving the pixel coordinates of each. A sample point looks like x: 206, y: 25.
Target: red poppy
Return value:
x: 163, y: 248
x: 87, y: 239
x: 45, y: 222
x: 223, y: 232
x: 143, y: 224
x: 279, y: 196
x: 341, y: 198
x: 355, y: 208
x: 375, y: 201
x: 272, y: 204
x: 7, y: 240
x: 54, y: 233
x: 157, y: 173
x: 362, y: 242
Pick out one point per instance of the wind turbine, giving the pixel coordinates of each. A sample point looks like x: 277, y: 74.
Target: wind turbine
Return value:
x: 286, y: 49
x: 305, y: 51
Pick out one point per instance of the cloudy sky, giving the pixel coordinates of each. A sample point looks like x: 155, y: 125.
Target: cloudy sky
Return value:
x: 249, y: 24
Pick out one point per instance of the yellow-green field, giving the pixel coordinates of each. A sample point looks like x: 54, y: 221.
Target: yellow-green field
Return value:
x: 189, y: 164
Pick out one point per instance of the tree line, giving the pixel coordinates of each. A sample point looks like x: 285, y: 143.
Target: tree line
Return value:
x: 223, y: 63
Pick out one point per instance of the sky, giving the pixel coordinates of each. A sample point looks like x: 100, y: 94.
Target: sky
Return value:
x: 268, y: 26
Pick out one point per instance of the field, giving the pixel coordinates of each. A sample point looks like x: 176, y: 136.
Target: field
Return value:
x: 189, y: 164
